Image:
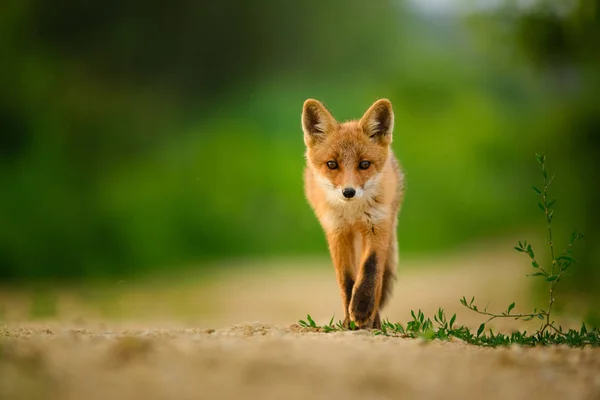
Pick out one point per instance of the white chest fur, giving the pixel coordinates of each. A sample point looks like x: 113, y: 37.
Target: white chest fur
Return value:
x: 343, y: 215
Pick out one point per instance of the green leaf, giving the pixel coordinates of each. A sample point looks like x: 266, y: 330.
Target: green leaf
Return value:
x: 538, y: 191
x: 541, y: 206
x: 399, y: 328
x: 311, y: 322
x: 511, y: 307
x: 428, y: 335
x: 384, y: 329
x: 480, y: 330
x: 519, y: 249
x: 537, y: 274
x: 576, y: 235
x: 565, y: 266
x: 567, y: 258
x: 551, y: 203
x: 452, y: 320
x: 331, y: 320
x: 551, y: 278
x: 530, y: 251
x: 540, y: 157
x: 534, y: 264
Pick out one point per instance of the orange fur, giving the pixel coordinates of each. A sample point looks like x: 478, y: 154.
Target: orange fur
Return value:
x: 360, y: 226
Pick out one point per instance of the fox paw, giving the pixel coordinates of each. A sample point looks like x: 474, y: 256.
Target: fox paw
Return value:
x: 352, y: 325
x: 362, y: 307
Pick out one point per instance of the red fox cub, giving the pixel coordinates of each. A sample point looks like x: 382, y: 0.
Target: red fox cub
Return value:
x: 355, y: 186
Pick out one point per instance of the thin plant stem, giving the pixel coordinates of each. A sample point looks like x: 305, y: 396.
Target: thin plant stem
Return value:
x: 550, y: 243
x: 494, y: 316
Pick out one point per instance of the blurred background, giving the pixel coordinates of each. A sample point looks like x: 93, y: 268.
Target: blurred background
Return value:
x: 162, y: 141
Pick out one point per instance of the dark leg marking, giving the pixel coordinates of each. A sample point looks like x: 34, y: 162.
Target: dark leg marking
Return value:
x: 348, y: 286
x: 363, y: 301
x: 370, y: 267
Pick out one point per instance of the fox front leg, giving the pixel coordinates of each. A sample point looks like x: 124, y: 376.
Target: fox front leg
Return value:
x: 341, y: 247
x: 364, y: 305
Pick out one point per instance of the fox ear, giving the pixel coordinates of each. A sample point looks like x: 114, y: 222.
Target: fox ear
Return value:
x: 378, y: 121
x: 316, y: 121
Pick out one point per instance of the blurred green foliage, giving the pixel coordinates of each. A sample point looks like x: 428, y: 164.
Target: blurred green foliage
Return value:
x: 137, y: 139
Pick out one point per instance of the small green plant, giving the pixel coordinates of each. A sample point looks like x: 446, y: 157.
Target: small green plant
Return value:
x: 552, y: 274
x: 310, y: 323
x: 421, y: 327
x: 443, y: 329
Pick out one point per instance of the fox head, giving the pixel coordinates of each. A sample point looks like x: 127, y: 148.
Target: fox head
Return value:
x: 348, y: 158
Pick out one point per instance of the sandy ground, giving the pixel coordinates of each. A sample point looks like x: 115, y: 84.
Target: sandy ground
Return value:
x: 236, y: 336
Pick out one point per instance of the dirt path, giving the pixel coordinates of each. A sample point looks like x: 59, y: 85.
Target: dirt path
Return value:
x: 266, y: 362
x: 197, y: 341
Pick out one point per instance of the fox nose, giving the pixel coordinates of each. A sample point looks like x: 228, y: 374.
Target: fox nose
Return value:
x: 348, y: 193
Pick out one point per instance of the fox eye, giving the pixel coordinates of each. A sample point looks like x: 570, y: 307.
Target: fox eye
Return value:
x: 332, y: 164
x: 364, y: 165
